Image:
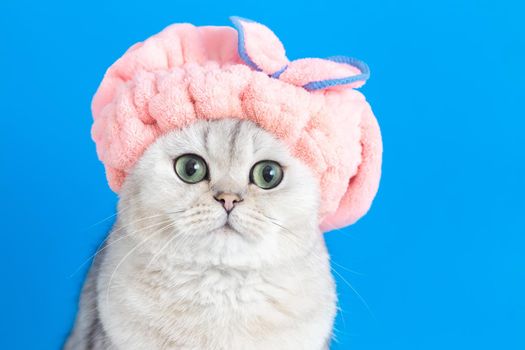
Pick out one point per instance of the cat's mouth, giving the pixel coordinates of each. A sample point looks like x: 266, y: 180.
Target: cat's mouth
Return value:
x: 227, y: 228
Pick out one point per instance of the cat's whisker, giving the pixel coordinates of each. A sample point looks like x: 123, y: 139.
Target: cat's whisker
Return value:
x: 102, y: 246
x: 117, y: 213
x: 157, y: 254
x: 367, y: 306
x: 341, y: 311
x: 346, y: 268
x: 356, y: 293
x: 101, y: 221
x: 273, y: 221
x: 144, y: 241
x: 348, y: 284
x: 313, y: 254
x: 119, y: 210
x: 137, y: 221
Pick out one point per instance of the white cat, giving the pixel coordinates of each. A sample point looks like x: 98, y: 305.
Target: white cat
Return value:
x: 217, y: 247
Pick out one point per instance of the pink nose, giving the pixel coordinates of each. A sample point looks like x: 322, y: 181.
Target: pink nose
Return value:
x: 228, y: 200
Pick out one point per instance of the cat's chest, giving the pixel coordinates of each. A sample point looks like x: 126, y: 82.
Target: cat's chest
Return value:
x: 218, y: 295
x: 212, y: 308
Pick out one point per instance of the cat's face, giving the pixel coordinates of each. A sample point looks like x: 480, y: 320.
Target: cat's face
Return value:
x: 221, y: 192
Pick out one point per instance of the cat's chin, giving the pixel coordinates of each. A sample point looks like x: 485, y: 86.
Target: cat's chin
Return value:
x: 226, y: 229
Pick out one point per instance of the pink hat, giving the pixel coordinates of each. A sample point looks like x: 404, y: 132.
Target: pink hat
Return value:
x: 187, y: 73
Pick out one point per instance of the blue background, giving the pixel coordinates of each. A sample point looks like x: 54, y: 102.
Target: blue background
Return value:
x: 440, y: 257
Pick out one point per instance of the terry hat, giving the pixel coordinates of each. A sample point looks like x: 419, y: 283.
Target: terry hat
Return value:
x: 186, y: 73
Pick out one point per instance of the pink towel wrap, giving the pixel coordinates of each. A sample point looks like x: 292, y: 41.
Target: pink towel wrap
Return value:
x: 186, y: 73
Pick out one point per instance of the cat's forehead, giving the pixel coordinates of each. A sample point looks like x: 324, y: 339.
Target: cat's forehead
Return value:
x: 226, y: 142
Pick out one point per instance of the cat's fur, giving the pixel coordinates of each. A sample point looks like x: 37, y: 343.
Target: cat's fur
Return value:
x: 173, y: 276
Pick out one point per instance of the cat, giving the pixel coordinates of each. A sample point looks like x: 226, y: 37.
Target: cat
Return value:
x: 216, y: 246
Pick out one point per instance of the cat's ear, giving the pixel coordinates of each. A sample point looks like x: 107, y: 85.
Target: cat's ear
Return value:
x: 363, y: 186
x: 259, y: 47
x: 322, y: 74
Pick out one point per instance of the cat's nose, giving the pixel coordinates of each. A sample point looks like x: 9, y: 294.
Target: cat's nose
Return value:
x: 228, y: 200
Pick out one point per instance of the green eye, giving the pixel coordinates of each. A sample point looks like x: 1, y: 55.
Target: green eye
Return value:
x: 266, y: 174
x: 191, y: 168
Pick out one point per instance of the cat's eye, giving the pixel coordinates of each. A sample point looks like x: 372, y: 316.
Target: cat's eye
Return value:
x: 191, y: 168
x: 266, y: 174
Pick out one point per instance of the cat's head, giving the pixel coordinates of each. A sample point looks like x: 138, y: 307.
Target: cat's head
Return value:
x: 222, y: 192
